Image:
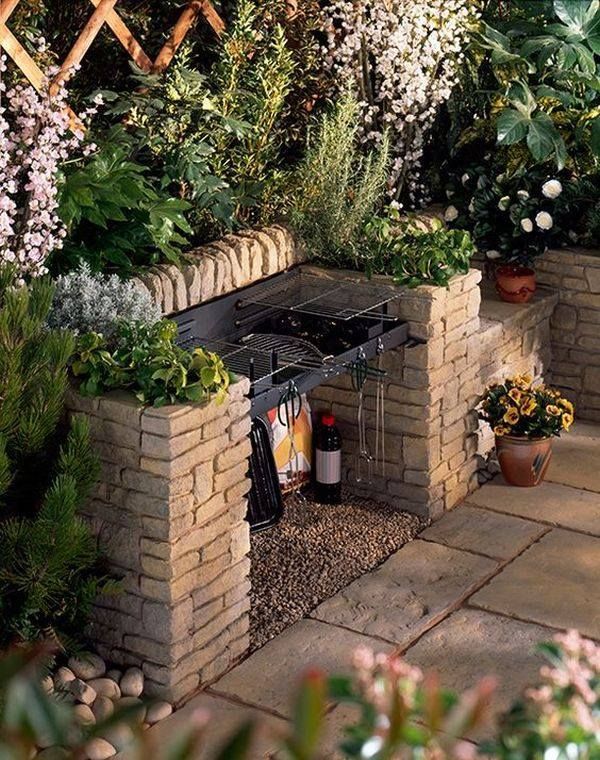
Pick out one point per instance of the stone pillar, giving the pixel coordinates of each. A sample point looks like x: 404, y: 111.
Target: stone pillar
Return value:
x: 575, y: 325
x: 169, y: 511
x: 430, y: 427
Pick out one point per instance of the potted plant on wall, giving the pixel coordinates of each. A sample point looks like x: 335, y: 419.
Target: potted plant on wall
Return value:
x: 514, y: 219
x: 525, y: 418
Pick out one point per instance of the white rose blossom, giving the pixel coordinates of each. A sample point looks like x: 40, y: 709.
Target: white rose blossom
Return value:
x: 552, y: 189
x: 405, y: 58
x: 451, y: 214
x: 544, y: 221
x: 493, y: 255
x: 523, y: 195
x: 504, y: 203
x: 527, y: 225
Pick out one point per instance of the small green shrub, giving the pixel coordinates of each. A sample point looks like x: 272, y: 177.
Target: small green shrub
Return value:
x: 339, y: 188
x: 86, y: 302
x: 50, y: 568
x: 415, y: 254
x: 144, y: 359
x: 118, y: 217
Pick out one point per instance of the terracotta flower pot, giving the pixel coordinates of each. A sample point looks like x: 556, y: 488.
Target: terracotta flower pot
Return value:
x: 523, y: 461
x: 515, y: 284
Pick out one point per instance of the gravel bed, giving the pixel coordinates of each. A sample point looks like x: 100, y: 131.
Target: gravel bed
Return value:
x: 313, y: 552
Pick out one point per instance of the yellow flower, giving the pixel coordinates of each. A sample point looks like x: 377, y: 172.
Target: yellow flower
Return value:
x: 567, y: 420
x: 515, y: 394
x: 524, y: 381
x: 567, y: 405
x: 528, y: 406
x: 553, y: 410
x: 511, y: 416
x: 501, y: 430
x: 504, y: 400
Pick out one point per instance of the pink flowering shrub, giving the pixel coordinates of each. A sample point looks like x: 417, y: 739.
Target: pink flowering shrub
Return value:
x: 35, y: 139
x: 560, y: 718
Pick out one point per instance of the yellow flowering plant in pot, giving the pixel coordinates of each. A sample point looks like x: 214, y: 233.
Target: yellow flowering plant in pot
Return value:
x: 525, y: 418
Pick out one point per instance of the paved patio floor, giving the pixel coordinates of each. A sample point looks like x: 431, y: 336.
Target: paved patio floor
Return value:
x: 471, y: 596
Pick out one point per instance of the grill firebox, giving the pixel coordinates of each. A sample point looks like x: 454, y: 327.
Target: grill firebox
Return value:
x: 295, y: 326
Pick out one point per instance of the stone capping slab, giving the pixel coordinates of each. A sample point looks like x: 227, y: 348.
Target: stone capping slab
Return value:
x: 222, y: 266
x: 169, y: 509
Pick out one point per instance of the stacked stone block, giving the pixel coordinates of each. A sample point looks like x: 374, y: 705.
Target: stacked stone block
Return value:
x: 169, y: 511
x: 430, y: 389
x: 222, y: 267
x: 575, y: 274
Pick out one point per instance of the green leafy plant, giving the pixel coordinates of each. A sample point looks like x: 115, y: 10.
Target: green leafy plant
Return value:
x: 415, y: 253
x: 117, y: 217
x: 145, y: 359
x: 513, y: 217
x: 50, y: 566
x: 546, y: 66
x: 338, y: 188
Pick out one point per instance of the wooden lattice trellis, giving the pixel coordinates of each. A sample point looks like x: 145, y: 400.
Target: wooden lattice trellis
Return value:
x: 105, y: 13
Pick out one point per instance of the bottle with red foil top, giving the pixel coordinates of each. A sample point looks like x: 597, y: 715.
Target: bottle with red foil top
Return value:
x: 328, y: 462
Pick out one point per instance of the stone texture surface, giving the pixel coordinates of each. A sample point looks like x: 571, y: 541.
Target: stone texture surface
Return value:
x: 410, y: 592
x: 575, y: 273
x: 471, y: 644
x: 556, y: 582
x: 575, y: 461
x: 549, y: 503
x: 175, y: 536
x: 267, y: 677
x: 475, y: 530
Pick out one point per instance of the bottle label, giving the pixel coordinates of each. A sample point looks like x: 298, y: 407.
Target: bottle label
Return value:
x: 328, y: 466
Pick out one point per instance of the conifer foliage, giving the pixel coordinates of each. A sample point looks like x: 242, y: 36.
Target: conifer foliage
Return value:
x: 50, y: 568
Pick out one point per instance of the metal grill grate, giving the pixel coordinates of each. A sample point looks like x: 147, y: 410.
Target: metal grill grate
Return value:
x: 310, y: 294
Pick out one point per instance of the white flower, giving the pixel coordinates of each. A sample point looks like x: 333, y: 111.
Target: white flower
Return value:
x: 493, y: 255
x: 544, y: 221
x: 451, y: 214
x: 504, y: 203
x: 465, y: 178
x: 527, y: 225
x: 523, y: 194
x: 552, y: 188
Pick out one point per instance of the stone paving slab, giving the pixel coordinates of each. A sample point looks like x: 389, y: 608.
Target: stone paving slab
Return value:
x: 268, y: 677
x: 476, y: 530
x: 550, y: 503
x: 408, y: 593
x: 225, y: 718
x: 471, y: 644
x: 555, y: 582
x: 575, y: 459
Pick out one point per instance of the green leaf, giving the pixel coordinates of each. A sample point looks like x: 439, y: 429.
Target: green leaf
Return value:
x: 543, y: 138
x: 511, y: 126
x: 595, y: 136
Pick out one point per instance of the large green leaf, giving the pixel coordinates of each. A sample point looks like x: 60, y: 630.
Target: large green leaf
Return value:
x: 542, y: 137
x: 512, y: 126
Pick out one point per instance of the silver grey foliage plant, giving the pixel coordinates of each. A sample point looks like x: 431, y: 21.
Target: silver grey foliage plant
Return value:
x: 88, y: 302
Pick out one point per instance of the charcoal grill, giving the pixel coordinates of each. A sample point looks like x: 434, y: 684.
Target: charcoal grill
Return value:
x: 295, y: 330
x: 297, y: 326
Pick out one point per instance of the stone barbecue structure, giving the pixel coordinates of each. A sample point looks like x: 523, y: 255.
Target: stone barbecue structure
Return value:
x: 171, y: 500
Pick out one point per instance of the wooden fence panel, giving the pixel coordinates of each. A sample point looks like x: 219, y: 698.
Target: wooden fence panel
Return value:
x: 105, y: 13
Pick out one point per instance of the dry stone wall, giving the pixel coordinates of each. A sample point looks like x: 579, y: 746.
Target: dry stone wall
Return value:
x: 169, y: 510
x: 575, y: 274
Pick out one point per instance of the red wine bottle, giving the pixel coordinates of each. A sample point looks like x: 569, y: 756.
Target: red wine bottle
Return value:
x: 328, y: 462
